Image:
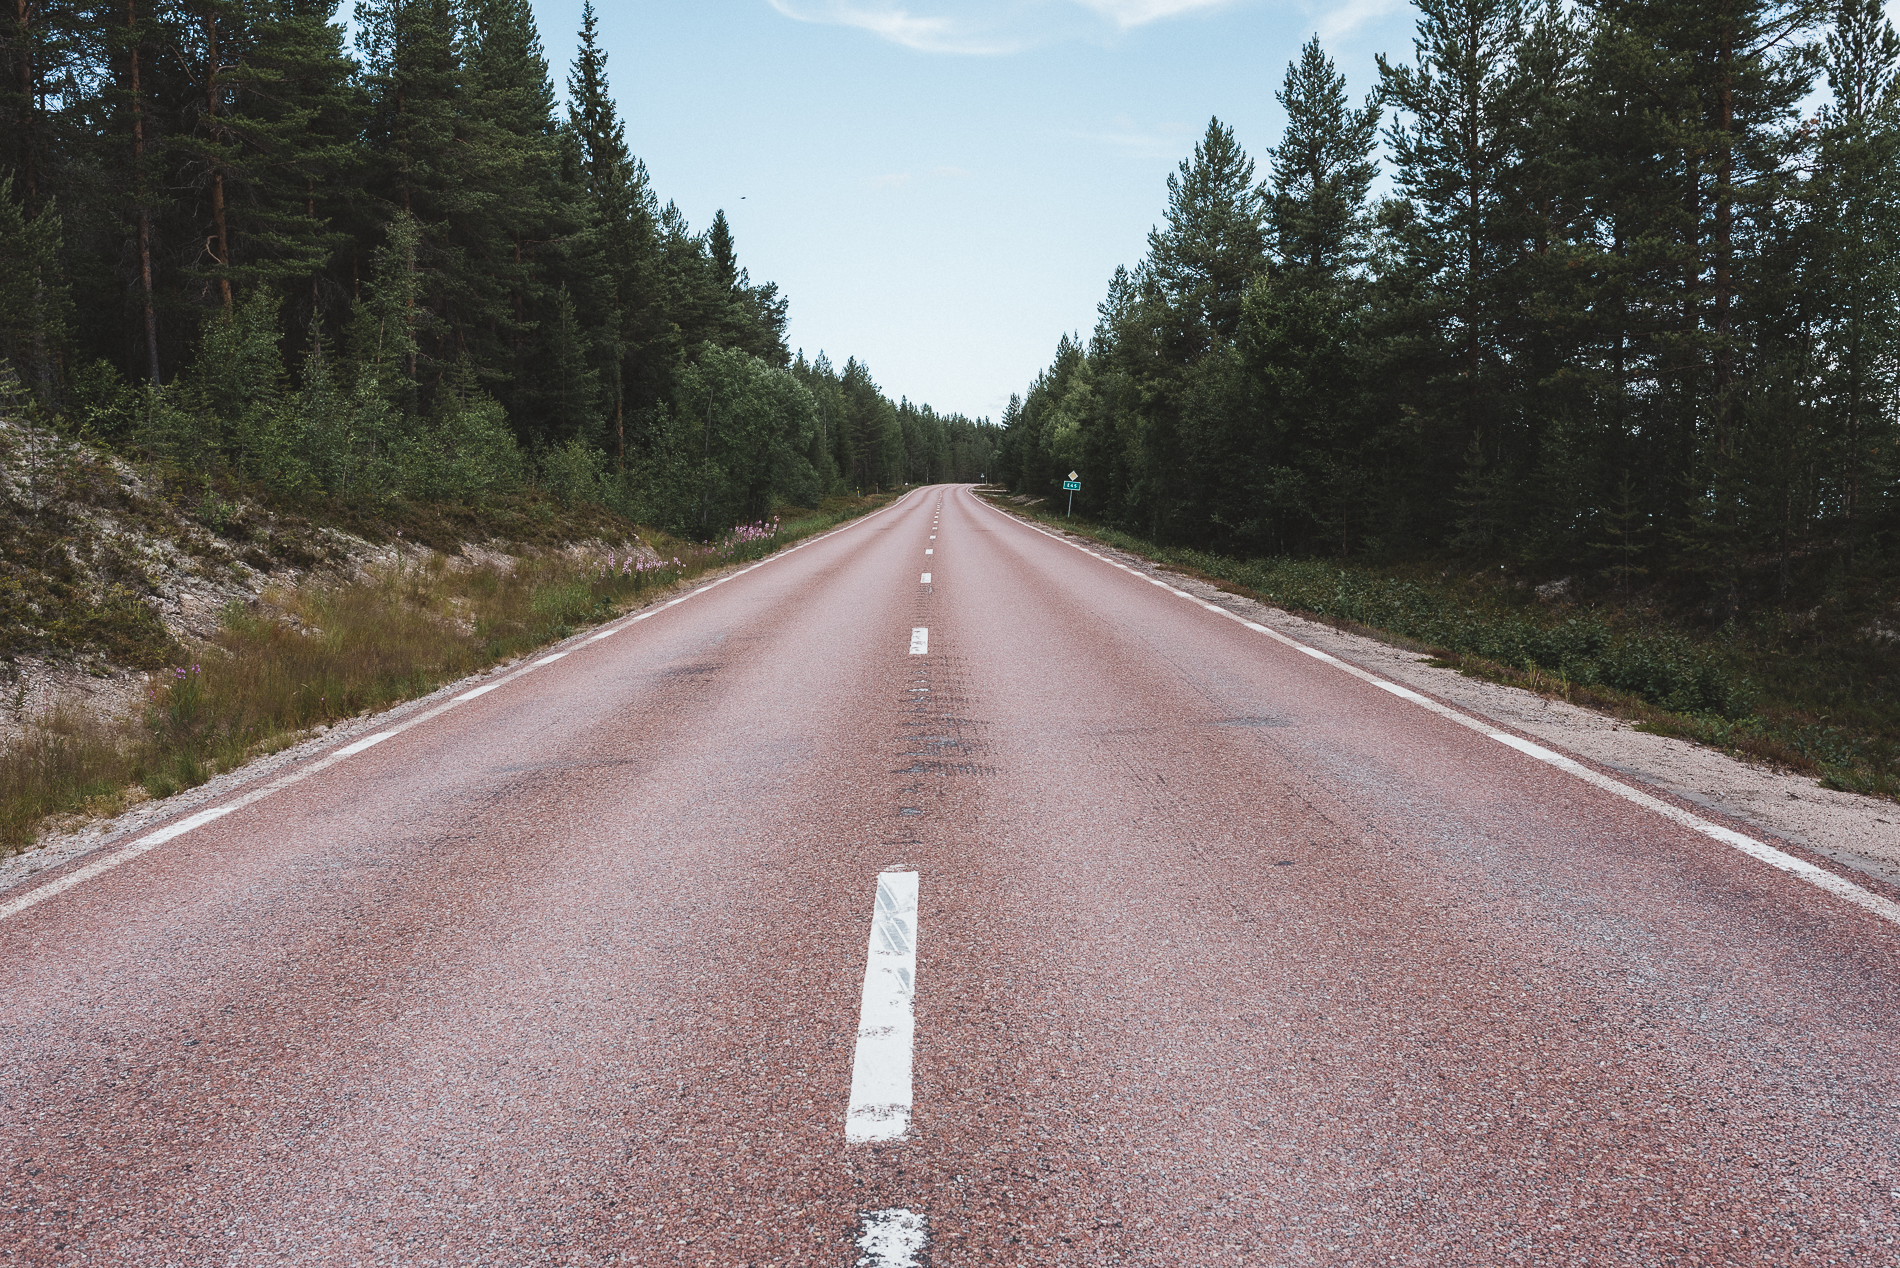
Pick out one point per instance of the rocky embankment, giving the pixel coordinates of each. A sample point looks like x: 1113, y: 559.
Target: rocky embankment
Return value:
x: 110, y: 570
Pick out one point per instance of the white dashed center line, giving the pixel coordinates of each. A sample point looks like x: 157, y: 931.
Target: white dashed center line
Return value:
x: 928, y: 551
x: 925, y: 580
x: 880, y: 1070
x: 920, y: 641
x: 892, y: 1238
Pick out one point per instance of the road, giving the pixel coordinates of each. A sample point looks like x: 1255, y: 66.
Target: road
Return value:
x: 1222, y: 955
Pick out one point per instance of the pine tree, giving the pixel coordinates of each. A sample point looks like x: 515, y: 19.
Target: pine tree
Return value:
x: 1322, y: 169
x: 1856, y: 265
x: 1453, y: 152
x: 622, y: 203
x: 1213, y: 245
x: 35, y: 300
x: 294, y: 161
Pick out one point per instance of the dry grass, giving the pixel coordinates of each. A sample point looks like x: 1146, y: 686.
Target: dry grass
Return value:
x: 319, y: 655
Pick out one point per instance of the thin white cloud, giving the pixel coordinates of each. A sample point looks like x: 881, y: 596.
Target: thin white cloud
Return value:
x: 1130, y: 137
x: 1128, y: 14
x: 901, y: 26
x: 1344, y: 19
x: 990, y: 27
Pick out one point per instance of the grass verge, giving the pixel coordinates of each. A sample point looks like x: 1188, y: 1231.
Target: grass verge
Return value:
x: 1819, y: 707
x: 320, y: 654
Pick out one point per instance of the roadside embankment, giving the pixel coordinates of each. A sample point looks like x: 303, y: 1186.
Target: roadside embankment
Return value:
x: 148, y: 644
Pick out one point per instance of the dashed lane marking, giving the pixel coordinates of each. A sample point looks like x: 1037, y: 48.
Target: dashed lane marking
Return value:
x: 893, y: 1238
x: 920, y: 641
x: 924, y: 580
x: 152, y: 840
x: 880, y: 1068
x: 1821, y: 878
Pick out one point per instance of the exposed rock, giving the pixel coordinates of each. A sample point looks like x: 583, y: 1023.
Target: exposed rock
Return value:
x: 1558, y: 591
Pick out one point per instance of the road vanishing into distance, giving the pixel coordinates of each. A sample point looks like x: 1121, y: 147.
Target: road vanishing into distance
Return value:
x: 937, y: 892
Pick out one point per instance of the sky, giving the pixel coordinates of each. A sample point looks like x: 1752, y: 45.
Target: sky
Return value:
x: 944, y: 187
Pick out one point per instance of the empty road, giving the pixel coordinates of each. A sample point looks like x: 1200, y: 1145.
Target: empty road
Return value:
x: 936, y: 892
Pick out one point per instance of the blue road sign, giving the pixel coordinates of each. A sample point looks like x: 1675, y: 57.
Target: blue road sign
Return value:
x: 1072, y: 485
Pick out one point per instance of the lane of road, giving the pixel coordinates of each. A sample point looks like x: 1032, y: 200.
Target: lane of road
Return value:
x: 1215, y: 955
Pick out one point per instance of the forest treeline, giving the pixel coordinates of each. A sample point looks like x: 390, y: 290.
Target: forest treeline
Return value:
x: 234, y: 242
x: 1629, y: 311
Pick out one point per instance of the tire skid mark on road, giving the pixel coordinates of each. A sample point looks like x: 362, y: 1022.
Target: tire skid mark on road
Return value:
x: 152, y: 840
x: 1821, y: 878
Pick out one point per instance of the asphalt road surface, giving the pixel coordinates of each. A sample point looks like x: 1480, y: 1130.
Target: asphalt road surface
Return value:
x: 937, y: 893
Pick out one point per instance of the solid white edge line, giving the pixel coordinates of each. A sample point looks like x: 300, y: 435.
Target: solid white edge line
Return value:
x: 880, y: 1065
x: 368, y: 741
x: 50, y: 889
x: 1819, y: 877
x: 149, y: 842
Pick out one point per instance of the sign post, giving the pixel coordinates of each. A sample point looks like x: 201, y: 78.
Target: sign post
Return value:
x: 1073, y: 483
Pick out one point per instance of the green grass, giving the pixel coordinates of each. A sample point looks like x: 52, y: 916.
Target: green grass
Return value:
x: 1813, y: 695
x: 319, y: 655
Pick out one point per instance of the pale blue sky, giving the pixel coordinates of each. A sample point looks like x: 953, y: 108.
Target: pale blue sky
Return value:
x: 943, y: 187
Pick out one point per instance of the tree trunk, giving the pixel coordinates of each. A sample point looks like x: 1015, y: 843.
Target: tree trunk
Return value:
x: 28, y: 170
x: 145, y: 219
x: 1724, y: 247
x: 217, y: 167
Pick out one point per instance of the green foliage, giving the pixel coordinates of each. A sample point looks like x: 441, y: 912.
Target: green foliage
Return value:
x: 393, y: 271
x: 35, y: 299
x: 1602, y: 330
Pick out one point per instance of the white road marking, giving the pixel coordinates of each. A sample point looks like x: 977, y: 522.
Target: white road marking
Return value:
x: 90, y: 870
x: 1839, y: 886
x: 368, y: 741
x: 880, y: 1069
x: 928, y: 551
x: 893, y: 1238
x: 60, y: 885
x: 926, y: 579
x: 920, y: 641
x: 1821, y: 878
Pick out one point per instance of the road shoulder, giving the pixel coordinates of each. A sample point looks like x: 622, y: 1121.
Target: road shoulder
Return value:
x: 1860, y: 833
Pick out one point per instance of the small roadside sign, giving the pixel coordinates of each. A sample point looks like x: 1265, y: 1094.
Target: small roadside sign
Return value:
x: 1073, y: 483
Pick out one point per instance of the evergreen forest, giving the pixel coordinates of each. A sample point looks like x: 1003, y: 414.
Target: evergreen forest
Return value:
x: 1604, y: 290
x: 243, y: 244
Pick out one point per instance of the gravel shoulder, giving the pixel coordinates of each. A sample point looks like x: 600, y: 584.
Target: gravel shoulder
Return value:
x: 1860, y: 833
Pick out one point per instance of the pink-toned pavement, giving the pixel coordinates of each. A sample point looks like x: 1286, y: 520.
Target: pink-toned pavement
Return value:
x: 1224, y: 957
